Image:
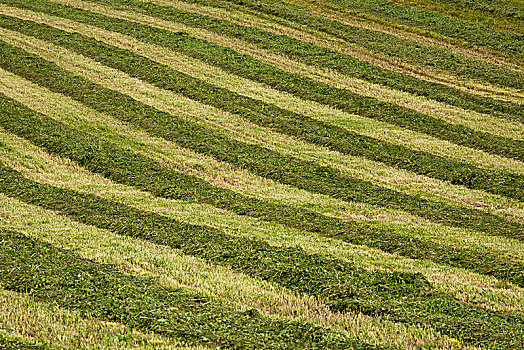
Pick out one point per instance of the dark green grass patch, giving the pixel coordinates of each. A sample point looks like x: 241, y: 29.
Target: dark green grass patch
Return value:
x: 295, y: 49
x: 194, y: 137
x: 99, y: 290
x: 132, y: 169
x: 261, y: 161
x: 401, y: 297
x: 406, y: 50
x: 322, y: 57
x: 471, y: 33
x: 11, y: 344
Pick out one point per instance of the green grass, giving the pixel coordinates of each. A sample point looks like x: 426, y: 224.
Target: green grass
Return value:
x: 174, y: 177
x: 310, y: 53
x: 99, y: 290
x: 383, y: 43
x: 465, y: 31
x: 402, y: 297
x: 164, y: 125
x: 139, y: 171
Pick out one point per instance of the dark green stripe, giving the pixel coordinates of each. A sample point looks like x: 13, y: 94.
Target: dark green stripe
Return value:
x: 251, y: 68
x: 406, y: 50
x: 492, y: 8
x: 301, y: 51
x: 58, y: 276
x: 402, y: 297
x: 136, y: 170
x: 261, y: 161
x: 472, y: 33
x: 454, y: 171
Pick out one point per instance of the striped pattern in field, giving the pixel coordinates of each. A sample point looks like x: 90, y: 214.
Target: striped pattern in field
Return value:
x: 280, y: 174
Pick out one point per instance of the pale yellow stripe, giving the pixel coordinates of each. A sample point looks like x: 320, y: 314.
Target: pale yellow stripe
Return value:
x: 464, y: 285
x: 171, y: 103
x: 173, y: 269
x: 451, y: 114
x: 304, y: 33
x: 21, y: 317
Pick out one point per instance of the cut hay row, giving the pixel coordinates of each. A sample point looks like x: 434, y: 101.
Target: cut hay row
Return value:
x: 23, y: 317
x: 257, y: 117
x: 252, y: 48
x: 57, y: 106
x: 504, y: 15
x: 163, y: 186
x: 191, y: 175
x: 487, y: 292
x: 343, y: 99
x: 336, y: 281
x: 304, y: 52
x: 468, y: 32
x: 173, y: 269
x: 369, y: 43
x: 365, y: 126
x: 453, y: 216
x: 405, y: 32
x: 62, y: 277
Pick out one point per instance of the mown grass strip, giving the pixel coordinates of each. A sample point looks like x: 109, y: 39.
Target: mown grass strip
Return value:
x: 135, y: 170
x: 306, y: 88
x: 12, y: 344
x: 500, y: 14
x: 463, y: 285
x: 71, y: 112
x: 466, y: 31
x: 239, y: 15
x: 37, y: 165
x: 309, y: 53
x: 265, y: 114
x: 173, y: 269
x: 287, y: 170
x: 416, y: 53
x: 403, y: 297
x: 52, y: 274
x: 24, y: 318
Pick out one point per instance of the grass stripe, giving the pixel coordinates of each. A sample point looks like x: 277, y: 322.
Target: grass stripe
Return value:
x: 500, y: 14
x: 24, y: 318
x: 468, y: 32
x: 348, y: 288
x: 477, y: 170
x: 38, y: 98
x: 420, y: 55
x: 382, y: 25
x: 299, y: 34
x: 10, y: 344
x: 315, y: 55
x: 320, y: 92
x: 129, y: 168
x: 479, y: 290
x: 268, y: 23
x: 102, y: 291
x: 283, y: 170
x: 340, y: 119
x: 173, y: 269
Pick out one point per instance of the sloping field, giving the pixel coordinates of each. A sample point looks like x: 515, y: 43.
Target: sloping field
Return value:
x: 261, y: 174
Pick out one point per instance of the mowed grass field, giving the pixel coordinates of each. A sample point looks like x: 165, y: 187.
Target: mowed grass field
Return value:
x: 261, y: 174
